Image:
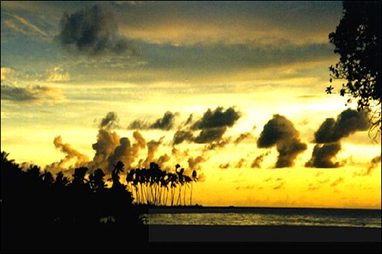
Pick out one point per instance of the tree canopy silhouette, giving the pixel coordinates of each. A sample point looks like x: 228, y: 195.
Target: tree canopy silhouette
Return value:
x: 37, y: 205
x: 357, y: 40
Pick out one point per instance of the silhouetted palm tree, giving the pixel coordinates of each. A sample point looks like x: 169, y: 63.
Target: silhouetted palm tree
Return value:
x: 194, y: 179
x: 97, y: 181
x: 118, y: 169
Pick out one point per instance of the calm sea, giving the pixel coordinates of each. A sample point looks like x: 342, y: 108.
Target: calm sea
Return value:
x: 265, y: 217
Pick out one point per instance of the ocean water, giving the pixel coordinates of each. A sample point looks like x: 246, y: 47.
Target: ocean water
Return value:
x: 265, y: 217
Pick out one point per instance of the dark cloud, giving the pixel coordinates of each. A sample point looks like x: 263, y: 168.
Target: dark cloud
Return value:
x: 152, y: 148
x: 217, y: 119
x: 279, y: 186
x: 223, y: 142
x: 167, y: 122
x: 189, y: 120
x: 110, y: 121
x: 312, y: 187
x: 181, y: 136
x: 163, y: 160
x: 212, y: 126
x: 120, y: 153
x: 259, y: 160
x: 127, y: 152
x: 323, y: 181
x: 33, y: 94
x: 210, y: 135
x: 224, y: 166
x: 347, y: 123
x: 92, y: 31
x: 243, y: 137
x: 248, y: 187
x: 337, y: 182
x: 323, y: 156
x: 372, y: 166
x: 240, y: 163
x: 288, y: 153
x: 280, y: 132
x: 194, y: 163
x: 329, y: 136
x: 138, y: 125
x: 105, y: 146
x: 318, y: 185
x: 12, y: 93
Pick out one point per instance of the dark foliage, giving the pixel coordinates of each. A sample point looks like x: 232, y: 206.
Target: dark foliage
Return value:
x: 38, y: 208
x: 357, y: 40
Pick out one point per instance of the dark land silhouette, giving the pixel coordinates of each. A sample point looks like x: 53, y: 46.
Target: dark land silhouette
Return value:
x: 42, y: 212
x: 45, y: 212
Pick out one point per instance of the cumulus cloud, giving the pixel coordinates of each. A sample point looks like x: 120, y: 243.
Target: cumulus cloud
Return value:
x: 240, y: 163
x: 329, y: 135
x: 92, y: 31
x: 347, y: 123
x: 194, y: 162
x: 217, y: 119
x: 280, y: 132
x: 259, y: 160
x: 217, y: 144
x: 190, y: 120
x: 323, y: 156
x: 181, y: 136
x: 107, y: 142
x: 32, y: 94
x: 127, y: 152
x: 152, y: 148
x: 374, y: 163
x: 162, y: 160
x: 214, y: 124
x: 209, y: 129
x: 110, y: 121
x: 243, y: 137
x: 111, y: 148
x: 166, y: 123
x: 138, y: 125
x: 71, y: 154
x: 121, y: 153
x: 210, y: 135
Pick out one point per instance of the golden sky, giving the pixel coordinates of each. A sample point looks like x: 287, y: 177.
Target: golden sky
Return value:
x: 256, y: 70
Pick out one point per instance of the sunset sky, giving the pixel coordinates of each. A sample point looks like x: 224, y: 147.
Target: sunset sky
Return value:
x: 76, y: 77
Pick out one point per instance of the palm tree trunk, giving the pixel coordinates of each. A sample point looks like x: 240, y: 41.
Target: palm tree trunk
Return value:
x: 185, y: 192
x: 179, y: 201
